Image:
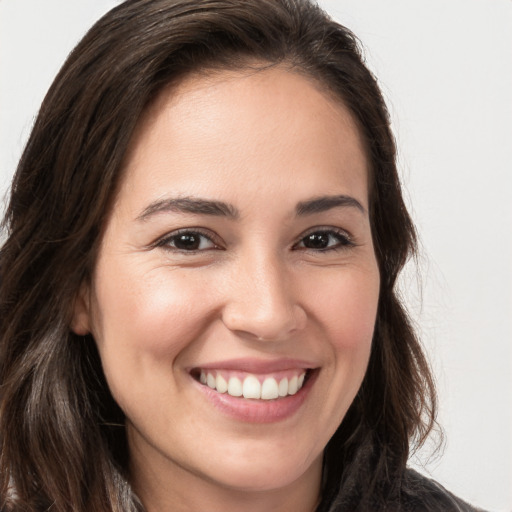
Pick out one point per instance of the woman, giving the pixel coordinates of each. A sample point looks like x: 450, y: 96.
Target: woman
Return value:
x: 198, y: 305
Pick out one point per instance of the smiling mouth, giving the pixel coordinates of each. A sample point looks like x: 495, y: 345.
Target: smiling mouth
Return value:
x: 253, y: 386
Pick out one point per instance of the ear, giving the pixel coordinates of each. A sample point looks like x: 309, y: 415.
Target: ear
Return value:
x: 81, y: 319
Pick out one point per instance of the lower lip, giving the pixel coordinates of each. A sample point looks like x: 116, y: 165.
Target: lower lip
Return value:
x: 258, y: 411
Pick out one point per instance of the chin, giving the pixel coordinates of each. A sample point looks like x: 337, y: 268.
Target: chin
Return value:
x: 258, y: 481
x: 263, y: 473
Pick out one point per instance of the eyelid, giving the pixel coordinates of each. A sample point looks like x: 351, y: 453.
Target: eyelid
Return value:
x: 164, y: 241
x: 350, y: 241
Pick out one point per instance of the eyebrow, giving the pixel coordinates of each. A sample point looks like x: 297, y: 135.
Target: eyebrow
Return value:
x: 220, y: 209
x: 325, y: 203
x: 190, y: 205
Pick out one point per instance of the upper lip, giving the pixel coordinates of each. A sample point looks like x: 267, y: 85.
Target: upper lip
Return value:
x: 251, y: 365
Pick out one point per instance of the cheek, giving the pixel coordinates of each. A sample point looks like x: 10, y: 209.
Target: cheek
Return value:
x: 347, y: 303
x: 142, y: 318
x: 344, y: 305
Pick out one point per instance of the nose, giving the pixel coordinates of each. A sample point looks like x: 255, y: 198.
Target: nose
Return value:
x: 261, y: 303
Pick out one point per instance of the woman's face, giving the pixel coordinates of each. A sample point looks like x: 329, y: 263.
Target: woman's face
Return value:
x: 237, y: 259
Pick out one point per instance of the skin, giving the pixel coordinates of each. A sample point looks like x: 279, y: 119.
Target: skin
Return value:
x: 262, y: 142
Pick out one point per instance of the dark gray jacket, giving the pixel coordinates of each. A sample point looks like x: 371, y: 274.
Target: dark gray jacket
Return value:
x: 417, y: 494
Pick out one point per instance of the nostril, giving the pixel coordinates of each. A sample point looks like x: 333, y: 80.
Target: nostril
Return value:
x: 264, y: 325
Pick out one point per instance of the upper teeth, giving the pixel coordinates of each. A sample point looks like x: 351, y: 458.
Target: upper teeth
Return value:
x: 251, y: 387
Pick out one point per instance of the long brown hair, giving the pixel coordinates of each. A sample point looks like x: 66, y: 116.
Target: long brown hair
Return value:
x: 62, y: 441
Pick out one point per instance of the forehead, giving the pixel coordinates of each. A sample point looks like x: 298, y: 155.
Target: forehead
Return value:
x: 245, y: 124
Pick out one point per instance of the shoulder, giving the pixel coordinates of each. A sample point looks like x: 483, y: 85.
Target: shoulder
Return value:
x: 420, y: 493
x: 412, y: 493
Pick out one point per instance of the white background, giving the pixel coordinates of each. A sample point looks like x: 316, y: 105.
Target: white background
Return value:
x: 446, y: 69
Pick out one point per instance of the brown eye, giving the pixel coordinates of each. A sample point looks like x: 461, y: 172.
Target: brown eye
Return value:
x: 323, y: 240
x: 317, y: 241
x: 188, y: 241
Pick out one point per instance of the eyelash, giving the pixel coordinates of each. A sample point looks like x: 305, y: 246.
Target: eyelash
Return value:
x: 168, y: 240
x: 344, y: 240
